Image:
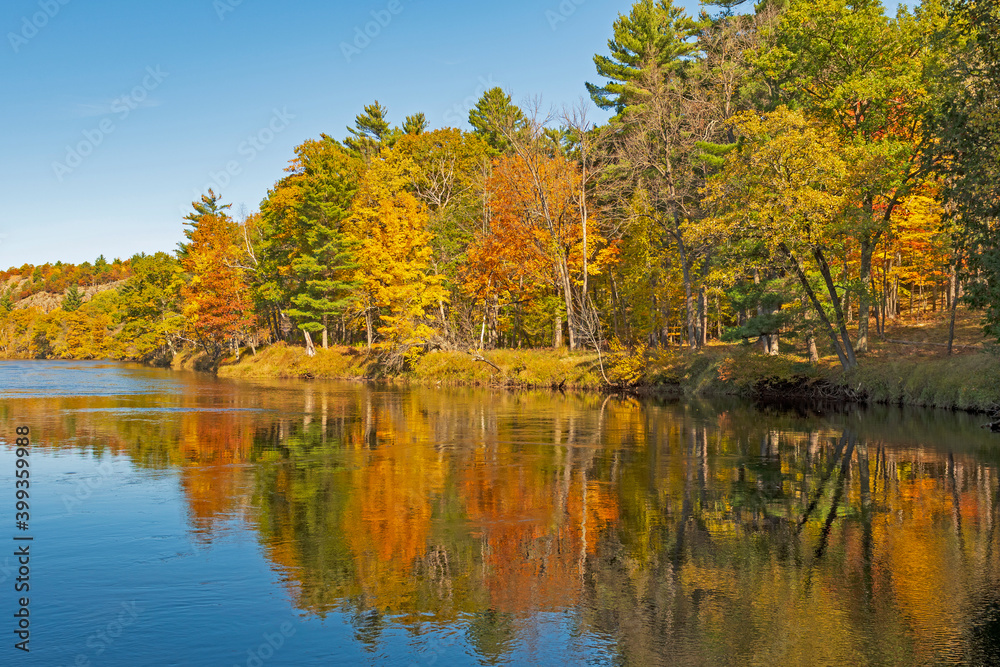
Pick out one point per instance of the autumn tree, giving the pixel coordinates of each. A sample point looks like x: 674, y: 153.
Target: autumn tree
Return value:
x: 208, y: 204
x: 298, y: 247
x: 861, y: 72
x: 150, y: 306
x: 783, y: 190
x: 397, y: 288
x: 666, y: 122
x: 537, y: 215
x: 448, y: 175
x: 967, y: 125
x: 217, y: 305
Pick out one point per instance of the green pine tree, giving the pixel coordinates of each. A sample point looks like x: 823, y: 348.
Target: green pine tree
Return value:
x: 495, y: 117
x: 324, y: 291
x: 73, y: 299
x: 415, y: 124
x: 304, y: 256
x: 371, y: 131
x: 654, y: 34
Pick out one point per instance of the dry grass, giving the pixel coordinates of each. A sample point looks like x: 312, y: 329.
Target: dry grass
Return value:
x: 928, y: 336
x: 288, y: 361
x: 918, y: 373
x: 522, y: 368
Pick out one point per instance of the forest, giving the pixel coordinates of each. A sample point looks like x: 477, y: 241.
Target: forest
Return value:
x: 798, y: 177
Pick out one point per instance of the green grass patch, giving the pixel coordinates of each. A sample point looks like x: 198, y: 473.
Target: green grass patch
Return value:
x: 964, y: 382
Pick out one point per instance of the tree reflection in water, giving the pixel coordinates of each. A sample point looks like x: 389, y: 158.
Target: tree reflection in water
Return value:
x: 681, y: 533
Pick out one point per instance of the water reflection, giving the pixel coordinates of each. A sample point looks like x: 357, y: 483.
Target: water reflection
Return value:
x: 685, y: 533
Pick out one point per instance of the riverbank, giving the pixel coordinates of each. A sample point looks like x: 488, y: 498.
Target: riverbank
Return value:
x: 967, y: 381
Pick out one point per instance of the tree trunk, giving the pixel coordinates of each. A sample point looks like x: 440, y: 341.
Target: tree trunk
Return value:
x: 953, y: 302
x: 702, y: 317
x: 688, y: 304
x: 689, y: 315
x: 494, y: 319
x: 768, y: 341
x: 571, y: 319
x: 369, y: 328
x: 845, y: 360
x: 831, y: 287
x: 325, y: 342
x: 557, y: 332
x: 310, y: 348
x: 718, y: 313
x: 620, y: 321
x: 868, y: 243
x: 879, y: 311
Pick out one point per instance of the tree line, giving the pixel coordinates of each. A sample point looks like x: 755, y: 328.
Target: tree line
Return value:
x: 794, y: 175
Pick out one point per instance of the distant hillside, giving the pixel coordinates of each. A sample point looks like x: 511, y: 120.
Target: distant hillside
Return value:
x: 45, y: 286
x: 49, y: 301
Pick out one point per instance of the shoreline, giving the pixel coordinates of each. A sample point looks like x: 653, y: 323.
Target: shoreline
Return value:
x: 967, y: 382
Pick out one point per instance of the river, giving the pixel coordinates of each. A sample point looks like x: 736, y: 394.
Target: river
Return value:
x: 180, y: 519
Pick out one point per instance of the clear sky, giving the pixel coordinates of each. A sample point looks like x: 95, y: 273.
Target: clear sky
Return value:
x: 117, y: 114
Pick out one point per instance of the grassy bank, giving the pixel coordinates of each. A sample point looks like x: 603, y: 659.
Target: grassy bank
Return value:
x: 527, y: 368
x: 288, y: 361
x: 965, y: 382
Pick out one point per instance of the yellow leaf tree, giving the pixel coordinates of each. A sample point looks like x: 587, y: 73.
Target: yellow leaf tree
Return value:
x: 388, y: 228
x: 782, y: 191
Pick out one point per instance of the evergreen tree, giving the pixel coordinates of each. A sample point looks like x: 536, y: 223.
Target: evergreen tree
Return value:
x: 495, y: 118
x: 325, y: 290
x: 415, y: 124
x: 371, y: 131
x: 73, y: 299
x: 303, y: 255
x: 655, y: 35
x: 101, y: 267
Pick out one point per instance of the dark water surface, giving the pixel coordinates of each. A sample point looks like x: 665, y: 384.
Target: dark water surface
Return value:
x: 183, y: 520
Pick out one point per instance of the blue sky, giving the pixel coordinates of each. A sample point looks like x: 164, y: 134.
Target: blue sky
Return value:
x: 118, y: 113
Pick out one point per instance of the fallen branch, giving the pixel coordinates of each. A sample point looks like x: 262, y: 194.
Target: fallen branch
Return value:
x: 479, y: 357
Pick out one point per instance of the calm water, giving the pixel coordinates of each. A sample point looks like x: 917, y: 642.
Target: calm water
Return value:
x: 183, y: 520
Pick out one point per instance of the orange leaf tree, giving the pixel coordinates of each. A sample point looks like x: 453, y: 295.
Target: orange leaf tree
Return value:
x: 217, y: 306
